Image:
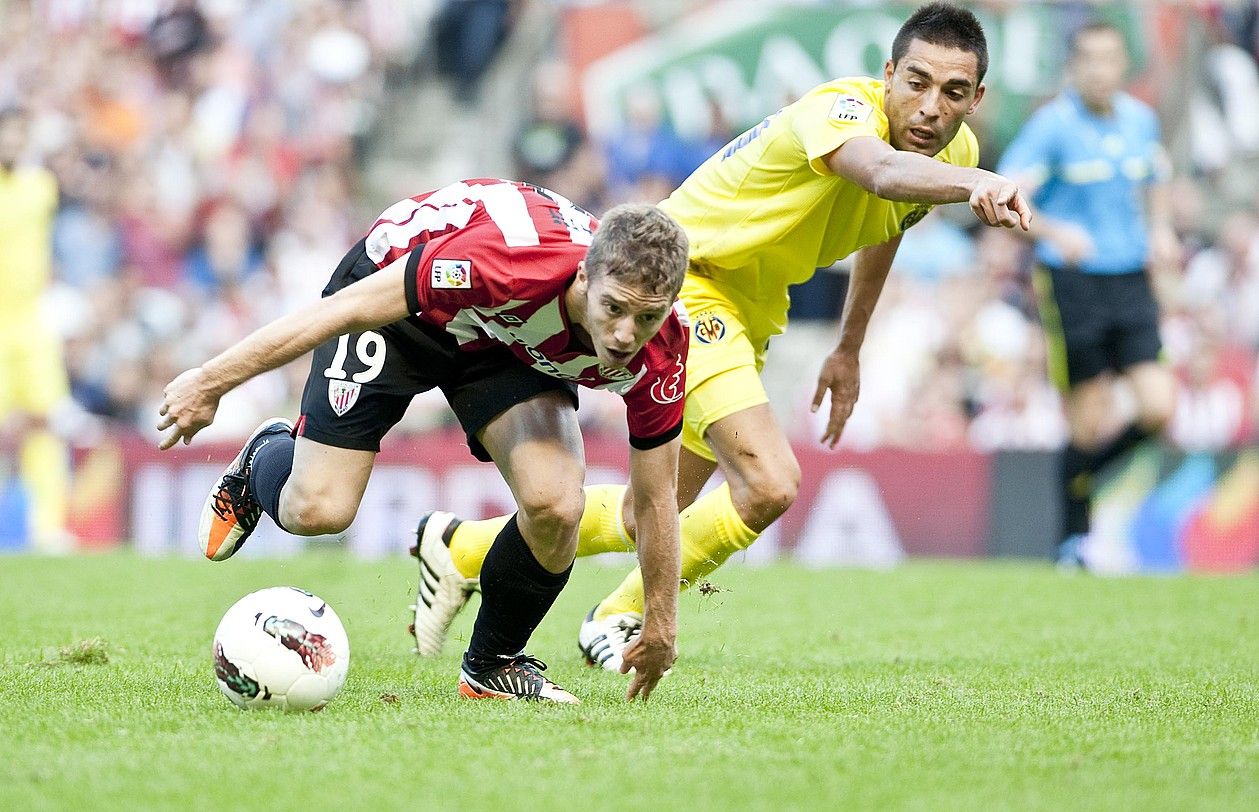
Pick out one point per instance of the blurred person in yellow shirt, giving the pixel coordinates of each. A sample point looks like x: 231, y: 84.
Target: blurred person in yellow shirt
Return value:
x: 32, y: 373
x: 844, y: 170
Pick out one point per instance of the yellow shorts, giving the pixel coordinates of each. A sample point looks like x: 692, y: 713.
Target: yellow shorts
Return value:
x: 32, y: 371
x: 723, y: 365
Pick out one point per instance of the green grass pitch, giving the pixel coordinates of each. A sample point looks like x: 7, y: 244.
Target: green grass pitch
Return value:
x: 937, y: 685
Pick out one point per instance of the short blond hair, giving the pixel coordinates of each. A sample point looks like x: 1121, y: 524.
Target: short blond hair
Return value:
x: 640, y: 246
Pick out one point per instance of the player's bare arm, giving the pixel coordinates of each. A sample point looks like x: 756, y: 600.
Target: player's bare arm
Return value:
x: 841, y: 371
x: 653, y: 478
x: 929, y: 89
x: 191, y: 400
x: 909, y: 177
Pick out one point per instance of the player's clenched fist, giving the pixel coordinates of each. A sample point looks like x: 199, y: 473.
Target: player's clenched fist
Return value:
x: 998, y: 202
x: 188, y: 404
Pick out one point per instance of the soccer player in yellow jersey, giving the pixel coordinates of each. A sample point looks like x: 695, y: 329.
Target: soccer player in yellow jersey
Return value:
x: 845, y: 169
x: 32, y: 373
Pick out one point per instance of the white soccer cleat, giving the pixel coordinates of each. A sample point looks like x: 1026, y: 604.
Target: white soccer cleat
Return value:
x: 603, y: 642
x: 442, y: 591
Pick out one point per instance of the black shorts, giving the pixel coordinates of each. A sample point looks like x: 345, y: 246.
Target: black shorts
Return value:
x: 360, y: 385
x: 1096, y: 322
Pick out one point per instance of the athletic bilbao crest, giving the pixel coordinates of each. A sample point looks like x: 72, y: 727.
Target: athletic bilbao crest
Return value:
x: 617, y: 374
x: 343, y: 395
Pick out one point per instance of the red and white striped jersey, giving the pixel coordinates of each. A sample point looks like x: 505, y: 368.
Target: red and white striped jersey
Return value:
x: 489, y: 261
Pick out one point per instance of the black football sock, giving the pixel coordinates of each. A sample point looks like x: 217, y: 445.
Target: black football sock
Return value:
x: 1075, y: 484
x: 1127, y: 440
x: 516, y: 593
x: 269, y: 471
x: 1078, y: 474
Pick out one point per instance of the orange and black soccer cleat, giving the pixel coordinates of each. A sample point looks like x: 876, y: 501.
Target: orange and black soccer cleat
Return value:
x: 230, y: 512
x: 518, y: 677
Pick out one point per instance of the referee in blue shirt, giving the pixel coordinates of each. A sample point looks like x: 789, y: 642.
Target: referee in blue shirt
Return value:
x: 1095, y: 171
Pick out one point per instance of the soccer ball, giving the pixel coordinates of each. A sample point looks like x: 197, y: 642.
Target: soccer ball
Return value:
x: 281, y: 648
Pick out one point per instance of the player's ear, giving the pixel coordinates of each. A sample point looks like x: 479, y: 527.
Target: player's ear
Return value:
x: 582, y: 281
x: 979, y: 95
x: 888, y: 69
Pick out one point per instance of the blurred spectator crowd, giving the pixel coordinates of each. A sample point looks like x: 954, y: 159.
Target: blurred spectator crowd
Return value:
x: 206, y: 155
x: 209, y: 157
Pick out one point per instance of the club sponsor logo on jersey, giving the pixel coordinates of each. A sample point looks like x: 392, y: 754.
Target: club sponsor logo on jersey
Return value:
x: 343, y: 395
x: 709, y: 328
x: 747, y: 138
x: 915, y: 215
x: 452, y: 274
x: 848, y: 108
x: 669, y: 388
x: 546, y: 364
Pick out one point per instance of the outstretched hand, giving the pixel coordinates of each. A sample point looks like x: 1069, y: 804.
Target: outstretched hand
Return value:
x: 188, y: 405
x: 841, y: 376
x: 650, y: 656
x: 998, y: 202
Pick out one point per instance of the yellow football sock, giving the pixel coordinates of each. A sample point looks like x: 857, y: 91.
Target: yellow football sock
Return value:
x: 46, y: 474
x: 600, y: 531
x: 712, y: 531
x: 471, y: 541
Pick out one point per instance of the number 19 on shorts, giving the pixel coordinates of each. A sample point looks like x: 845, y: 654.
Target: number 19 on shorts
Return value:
x: 370, y: 350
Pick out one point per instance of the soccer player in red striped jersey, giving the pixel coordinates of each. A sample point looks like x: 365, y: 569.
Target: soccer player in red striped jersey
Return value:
x: 506, y: 297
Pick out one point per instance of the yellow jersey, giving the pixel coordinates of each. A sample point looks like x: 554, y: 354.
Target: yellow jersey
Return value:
x: 28, y: 201
x: 765, y: 212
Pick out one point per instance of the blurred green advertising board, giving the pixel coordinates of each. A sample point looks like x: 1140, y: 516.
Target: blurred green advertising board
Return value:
x: 750, y: 58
